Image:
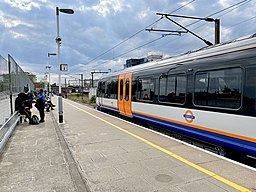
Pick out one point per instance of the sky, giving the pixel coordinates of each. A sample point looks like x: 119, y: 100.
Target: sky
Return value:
x: 102, y: 34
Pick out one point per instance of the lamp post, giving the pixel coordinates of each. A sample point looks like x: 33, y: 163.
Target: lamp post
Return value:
x: 58, y: 41
x: 49, y: 67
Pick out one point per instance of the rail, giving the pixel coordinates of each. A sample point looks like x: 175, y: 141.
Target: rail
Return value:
x: 7, y: 128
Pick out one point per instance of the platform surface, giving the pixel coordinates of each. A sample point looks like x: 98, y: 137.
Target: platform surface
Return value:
x: 92, y: 151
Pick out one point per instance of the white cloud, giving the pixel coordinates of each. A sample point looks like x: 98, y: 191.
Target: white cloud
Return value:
x: 17, y: 35
x: 100, y: 25
x: 225, y: 3
x: 188, y: 6
x: 25, y: 5
x: 144, y: 13
x: 226, y: 33
x: 9, y: 21
x: 106, y: 7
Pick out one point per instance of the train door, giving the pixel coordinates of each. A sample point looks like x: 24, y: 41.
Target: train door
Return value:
x: 121, y: 94
x: 124, y: 94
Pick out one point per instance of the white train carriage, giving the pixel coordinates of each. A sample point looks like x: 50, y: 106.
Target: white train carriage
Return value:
x: 209, y: 94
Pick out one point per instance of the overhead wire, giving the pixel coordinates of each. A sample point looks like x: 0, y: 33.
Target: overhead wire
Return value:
x: 140, y: 46
x: 244, y: 21
x: 236, y: 5
x: 137, y: 34
x: 121, y: 42
x: 240, y: 3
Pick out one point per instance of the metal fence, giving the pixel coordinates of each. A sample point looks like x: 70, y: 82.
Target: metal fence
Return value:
x: 18, y: 79
x: 5, y: 108
x: 12, y: 81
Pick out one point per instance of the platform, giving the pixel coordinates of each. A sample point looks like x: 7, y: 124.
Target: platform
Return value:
x: 92, y: 151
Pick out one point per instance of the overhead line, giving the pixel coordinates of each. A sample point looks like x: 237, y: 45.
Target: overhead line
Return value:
x: 241, y: 2
x: 242, y: 22
x: 222, y: 11
x: 139, y: 46
x: 136, y: 33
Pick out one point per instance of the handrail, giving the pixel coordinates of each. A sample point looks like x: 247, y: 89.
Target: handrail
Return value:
x: 7, y: 128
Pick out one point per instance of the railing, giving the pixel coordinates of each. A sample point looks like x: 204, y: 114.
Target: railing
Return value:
x: 12, y: 81
x: 7, y: 128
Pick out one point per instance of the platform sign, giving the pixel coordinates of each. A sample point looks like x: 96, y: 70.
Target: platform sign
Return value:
x: 64, y: 67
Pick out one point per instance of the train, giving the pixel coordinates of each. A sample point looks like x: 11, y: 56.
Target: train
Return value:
x: 206, y: 95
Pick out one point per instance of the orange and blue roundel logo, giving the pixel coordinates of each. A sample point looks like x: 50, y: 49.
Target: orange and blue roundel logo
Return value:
x: 189, y: 116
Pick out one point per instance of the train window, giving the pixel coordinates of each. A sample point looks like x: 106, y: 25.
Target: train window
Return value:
x: 146, y: 88
x: 134, y: 90
x: 103, y: 88
x: 218, y: 88
x: 250, y: 90
x: 115, y: 89
x: 127, y: 90
x: 172, y: 88
x: 121, y: 89
x: 108, y: 90
x: 112, y: 89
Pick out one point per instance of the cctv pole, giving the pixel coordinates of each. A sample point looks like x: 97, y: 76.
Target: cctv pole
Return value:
x: 58, y: 41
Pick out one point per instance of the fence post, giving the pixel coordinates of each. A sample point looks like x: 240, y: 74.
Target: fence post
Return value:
x: 10, y: 83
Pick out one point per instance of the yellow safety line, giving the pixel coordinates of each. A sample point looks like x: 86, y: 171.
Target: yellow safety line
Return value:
x: 210, y: 173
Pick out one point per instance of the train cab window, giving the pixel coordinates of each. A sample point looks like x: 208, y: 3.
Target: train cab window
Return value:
x: 172, y: 88
x: 127, y: 90
x: 218, y: 88
x: 145, y: 89
x: 99, y: 91
x: 121, y: 89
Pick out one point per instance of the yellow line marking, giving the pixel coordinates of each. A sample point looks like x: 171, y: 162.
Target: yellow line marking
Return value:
x: 210, y: 173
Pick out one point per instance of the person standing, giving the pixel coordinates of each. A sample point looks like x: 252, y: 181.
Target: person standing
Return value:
x: 28, y: 100
x: 40, y: 104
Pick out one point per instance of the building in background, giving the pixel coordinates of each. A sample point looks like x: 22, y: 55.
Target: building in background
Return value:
x: 133, y: 62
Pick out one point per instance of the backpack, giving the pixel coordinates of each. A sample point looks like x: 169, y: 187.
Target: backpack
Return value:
x: 34, y: 120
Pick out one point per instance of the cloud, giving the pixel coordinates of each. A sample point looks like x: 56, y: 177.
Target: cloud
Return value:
x: 100, y: 32
x: 225, y: 3
x: 17, y: 35
x: 10, y: 21
x: 24, y: 5
x: 105, y: 7
x: 188, y: 6
x: 144, y: 13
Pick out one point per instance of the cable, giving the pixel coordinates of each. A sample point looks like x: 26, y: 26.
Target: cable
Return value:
x: 140, y: 46
x: 241, y: 22
x: 122, y: 42
x: 222, y: 11
x: 136, y: 34
x: 241, y: 2
x: 234, y: 5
